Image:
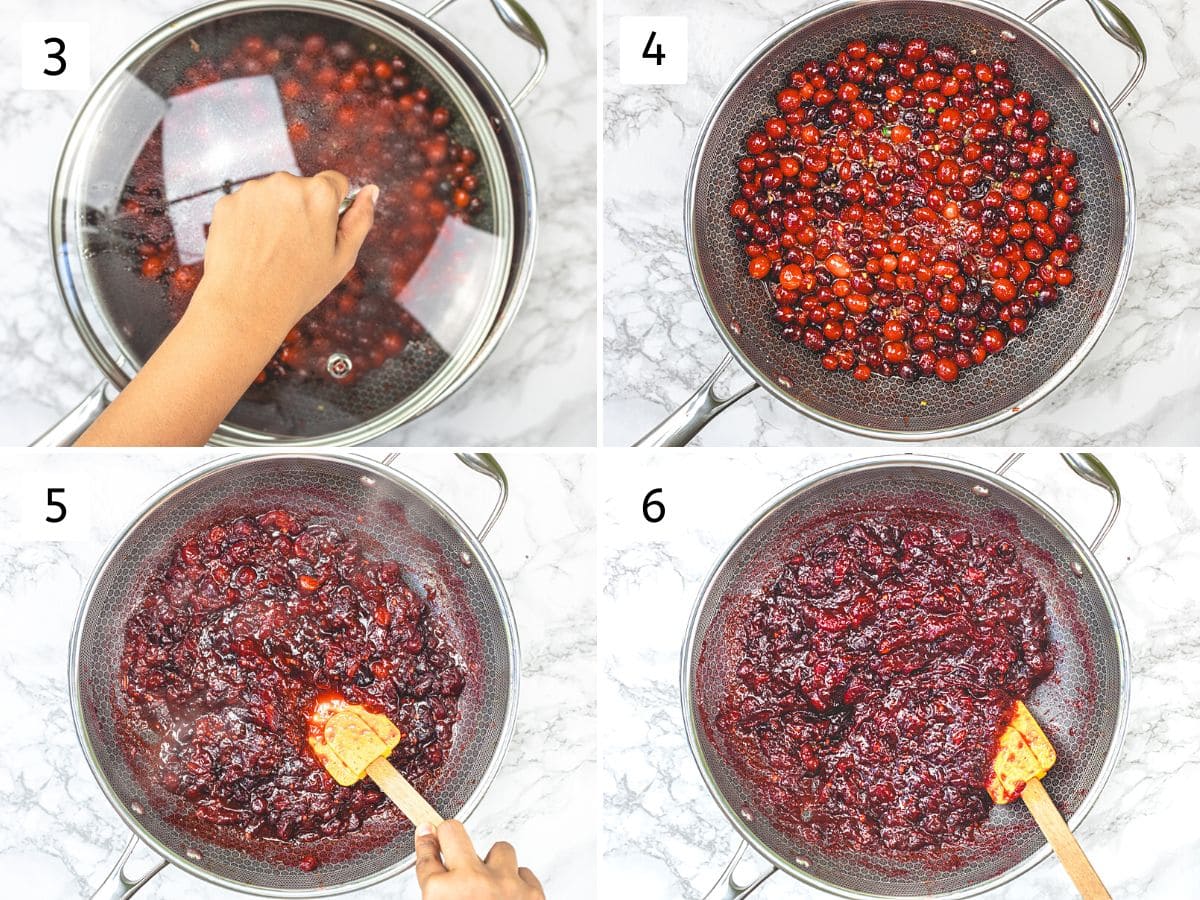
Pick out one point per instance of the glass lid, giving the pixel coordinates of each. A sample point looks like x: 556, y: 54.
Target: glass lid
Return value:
x: 235, y: 91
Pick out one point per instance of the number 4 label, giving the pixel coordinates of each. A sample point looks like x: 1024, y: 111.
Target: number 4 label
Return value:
x: 55, y: 56
x: 654, y: 50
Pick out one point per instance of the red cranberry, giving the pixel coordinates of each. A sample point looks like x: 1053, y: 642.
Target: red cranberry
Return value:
x: 365, y: 118
x: 965, y: 197
x: 235, y: 637
x: 870, y: 680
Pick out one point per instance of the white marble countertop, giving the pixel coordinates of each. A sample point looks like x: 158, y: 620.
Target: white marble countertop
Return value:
x: 58, y: 835
x: 1139, y: 386
x: 537, y: 389
x: 665, y: 837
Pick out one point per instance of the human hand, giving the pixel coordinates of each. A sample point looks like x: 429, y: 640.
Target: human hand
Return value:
x: 448, y: 868
x: 276, y: 248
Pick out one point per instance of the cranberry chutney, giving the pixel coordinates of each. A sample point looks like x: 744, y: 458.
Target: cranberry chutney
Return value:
x: 870, y: 681
x: 908, y: 209
x: 248, y: 621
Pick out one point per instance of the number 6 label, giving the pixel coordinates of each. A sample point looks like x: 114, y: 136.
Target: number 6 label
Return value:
x: 55, y: 56
x: 654, y: 50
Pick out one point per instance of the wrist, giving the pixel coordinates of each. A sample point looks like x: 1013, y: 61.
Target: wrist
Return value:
x: 218, y: 319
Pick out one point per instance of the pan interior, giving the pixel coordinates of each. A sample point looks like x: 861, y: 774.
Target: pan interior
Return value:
x: 407, y: 527
x: 1080, y: 704
x: 232, y: 131
x: 741, y: 307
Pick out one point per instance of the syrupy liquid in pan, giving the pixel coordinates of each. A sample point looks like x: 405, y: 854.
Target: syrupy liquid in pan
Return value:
x: 248, y: 621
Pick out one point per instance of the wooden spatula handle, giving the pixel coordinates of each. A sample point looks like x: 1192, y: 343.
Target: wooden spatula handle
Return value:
x: 403, y: 794
x: 1058, y: 833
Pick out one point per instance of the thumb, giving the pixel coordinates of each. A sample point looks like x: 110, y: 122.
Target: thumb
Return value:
x: 429, y: 855
x: 355, y: 223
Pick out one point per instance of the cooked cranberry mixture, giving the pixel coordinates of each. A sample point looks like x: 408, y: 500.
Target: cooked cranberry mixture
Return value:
x: 875, y: 676
x: 364, y: 116
x: 908, y: 209
x: 247, y: 623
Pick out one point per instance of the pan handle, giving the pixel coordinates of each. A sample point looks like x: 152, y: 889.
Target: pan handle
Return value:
x: 484, y: 464
x: 1088, y: 467
x: 118, y: 885
x: 728, y: 887
x: 77, y: 421
x: 1120, y: 28
x: 522, y: 24
x: 678, y: 429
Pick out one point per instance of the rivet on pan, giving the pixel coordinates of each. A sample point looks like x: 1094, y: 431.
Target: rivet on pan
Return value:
x: 784, y: 382
x: 746, y: 814
x: 802, y: 862
x: 339, y: 365
x: 192, y: 853
x: 366, y: 481
x: 1077, y: 567
x: 980, y: 490
x: 137, y: 808
x: 1094, y: 125
x: 465, y: 558
x: 1009, y: 36
x: 735, y: 326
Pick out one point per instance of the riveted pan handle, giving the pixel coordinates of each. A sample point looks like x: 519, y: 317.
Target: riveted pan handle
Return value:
x: 1120, y: 28
x: 522, y: 24
x: 484, y: 464
x: 1088, y: 467
x: 118, y: 885
x: 77, y: 421
x: 728, y: 887
x: 678, y: 429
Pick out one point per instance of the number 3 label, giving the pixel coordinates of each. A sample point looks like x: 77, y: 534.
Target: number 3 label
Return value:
x: 654, y: 50
x: 55, y: 56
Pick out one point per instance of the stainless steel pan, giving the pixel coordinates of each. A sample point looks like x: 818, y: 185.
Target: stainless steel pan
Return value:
x: 1006, y: 384
x: 1086, y: 702
x: 419, y: 531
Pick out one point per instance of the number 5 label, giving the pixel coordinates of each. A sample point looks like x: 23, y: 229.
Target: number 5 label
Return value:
x: 654, y: 50
x: 55, y: 56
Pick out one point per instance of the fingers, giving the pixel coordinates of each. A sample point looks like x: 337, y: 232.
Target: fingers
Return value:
x: 356, y: 224
x: 337, y: 184
x: 457, y: 849
x: 530, y: 879
x: 429, y: 861
x: 502, y: 856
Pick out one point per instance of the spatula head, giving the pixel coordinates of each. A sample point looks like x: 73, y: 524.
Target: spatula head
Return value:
x: 347, y: 738
x: 1022, y: 754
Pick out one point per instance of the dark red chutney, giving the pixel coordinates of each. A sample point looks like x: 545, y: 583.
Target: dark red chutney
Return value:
x: 874, y: 676
x: 908, y: 208
x: 359, y: 111
x: 248, y: 621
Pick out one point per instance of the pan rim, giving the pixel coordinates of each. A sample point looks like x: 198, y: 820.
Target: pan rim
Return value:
x: 503, y: 136
x: 190, y: 477
x: 1090, y: 565
x: 1106, y: 117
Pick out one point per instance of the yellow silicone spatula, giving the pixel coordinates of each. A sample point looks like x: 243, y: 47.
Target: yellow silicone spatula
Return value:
x: 351, y: 742
x: 1023, y: 756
